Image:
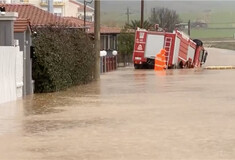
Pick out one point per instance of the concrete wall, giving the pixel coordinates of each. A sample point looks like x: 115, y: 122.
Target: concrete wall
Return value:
x: 70, y: 9
x: 25, y: 43
x: 11, y: 73
x: 6, y: 33
x: 19, y: 74
x: 28, y: 71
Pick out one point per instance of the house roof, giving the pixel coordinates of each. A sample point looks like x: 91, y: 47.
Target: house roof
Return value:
x: 78, y: 21
x: 81, y: 6
x: 90, y: 26
x: 106, y: 30
x: 37, y: 16
x: 21, y: 25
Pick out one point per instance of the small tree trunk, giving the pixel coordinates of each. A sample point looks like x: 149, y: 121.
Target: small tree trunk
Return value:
x: 123, y: 60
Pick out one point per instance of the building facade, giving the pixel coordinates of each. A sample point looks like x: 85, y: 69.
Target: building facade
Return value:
x: 65, y: 8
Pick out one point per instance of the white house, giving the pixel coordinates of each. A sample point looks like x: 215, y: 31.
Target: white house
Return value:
x: 65, y: 8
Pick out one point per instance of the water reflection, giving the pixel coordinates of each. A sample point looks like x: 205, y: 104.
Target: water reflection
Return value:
x: 10, y: 117
x: 41, y: 126
x: 56, y: 102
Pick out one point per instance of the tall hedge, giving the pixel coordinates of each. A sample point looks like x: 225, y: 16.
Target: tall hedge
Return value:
x: 63, y: 57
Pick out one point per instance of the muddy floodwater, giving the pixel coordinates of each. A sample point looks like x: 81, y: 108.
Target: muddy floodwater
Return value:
x: 128, y: 115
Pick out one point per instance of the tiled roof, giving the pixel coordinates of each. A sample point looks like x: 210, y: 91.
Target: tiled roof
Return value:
x: 81, y: 6
x: 21, y: 25
x: 37, y: 16
x: 90, y: 26
x: 106, y: 30
x: 78, y: 21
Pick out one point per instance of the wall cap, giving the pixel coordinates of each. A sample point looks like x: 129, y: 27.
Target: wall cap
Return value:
x: 8, y: 16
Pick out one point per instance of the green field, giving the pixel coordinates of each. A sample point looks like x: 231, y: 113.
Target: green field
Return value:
x: 211, y: 33
x: 221, y: 24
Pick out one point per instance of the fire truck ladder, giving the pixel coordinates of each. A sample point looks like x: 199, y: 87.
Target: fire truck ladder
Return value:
x: 167, y: 47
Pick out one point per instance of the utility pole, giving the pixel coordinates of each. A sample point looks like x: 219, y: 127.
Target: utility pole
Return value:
x: 50, y: 6
x: 189, y: 27
x: 84, y: 9
x: 128, y: 15
x: 142, y: 14
x: 97, y: 40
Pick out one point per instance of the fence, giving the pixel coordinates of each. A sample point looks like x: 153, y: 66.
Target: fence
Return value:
x: 108, y: 63
x: 11, y: 73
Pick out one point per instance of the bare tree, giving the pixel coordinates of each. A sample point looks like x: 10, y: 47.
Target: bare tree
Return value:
x: 166, y: 18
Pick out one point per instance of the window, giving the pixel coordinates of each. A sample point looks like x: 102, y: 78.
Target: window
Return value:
x: 101, y: 42
x: 115, y: 42
x: 107, y: 42
x: 58, y: 11
x: 111, y: 42
x: 58, y: 14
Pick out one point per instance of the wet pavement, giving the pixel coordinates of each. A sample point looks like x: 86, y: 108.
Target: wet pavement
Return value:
x: 128, y: 115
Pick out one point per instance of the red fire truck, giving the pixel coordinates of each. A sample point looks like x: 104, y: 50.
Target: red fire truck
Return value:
x: 181, y: 51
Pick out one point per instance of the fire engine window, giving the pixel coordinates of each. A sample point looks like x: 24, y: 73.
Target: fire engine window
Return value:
x: 201, y: 55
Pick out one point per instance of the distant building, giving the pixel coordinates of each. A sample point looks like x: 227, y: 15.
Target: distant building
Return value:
x: 181, y: 26
x: 199, y: 24
x: 65, y: 8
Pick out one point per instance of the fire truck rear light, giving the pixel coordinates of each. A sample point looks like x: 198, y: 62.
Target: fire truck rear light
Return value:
x: 137, y: 58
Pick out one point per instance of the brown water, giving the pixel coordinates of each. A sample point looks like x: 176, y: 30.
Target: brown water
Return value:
x: 128, y: 115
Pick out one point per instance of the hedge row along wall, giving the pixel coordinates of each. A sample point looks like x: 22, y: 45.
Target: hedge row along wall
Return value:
x: 63, y: 57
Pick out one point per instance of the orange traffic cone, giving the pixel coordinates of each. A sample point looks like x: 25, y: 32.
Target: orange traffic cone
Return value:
x: 163, y: 56
x: 158, y: 62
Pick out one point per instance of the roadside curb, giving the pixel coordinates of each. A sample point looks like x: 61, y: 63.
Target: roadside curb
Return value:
x: 219, y: 67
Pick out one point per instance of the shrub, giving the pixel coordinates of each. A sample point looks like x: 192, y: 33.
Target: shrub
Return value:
x: 63, y: 57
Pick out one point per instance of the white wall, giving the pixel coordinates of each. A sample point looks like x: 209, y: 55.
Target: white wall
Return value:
x: 70, y: 9
x: 19, y: 74
x: 11, y: 73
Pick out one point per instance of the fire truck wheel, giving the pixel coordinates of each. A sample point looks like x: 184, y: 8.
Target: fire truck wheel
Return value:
x: 198, y: 42
x: 181, y: 65
x: 137, y: 66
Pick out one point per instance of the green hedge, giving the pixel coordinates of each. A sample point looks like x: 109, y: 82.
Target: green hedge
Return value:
x: 63, y: 57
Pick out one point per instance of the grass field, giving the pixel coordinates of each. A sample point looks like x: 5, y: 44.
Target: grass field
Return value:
x: 211, y: 33
x: 221, y: 24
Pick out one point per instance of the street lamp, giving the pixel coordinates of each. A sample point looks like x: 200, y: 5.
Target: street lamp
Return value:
x: 103, y: 53
x: 114, y: 52
x: 2, y: 10
x: 85, y: 3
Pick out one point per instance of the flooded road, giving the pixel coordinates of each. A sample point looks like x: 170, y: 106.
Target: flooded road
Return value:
x: 128, y: 115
